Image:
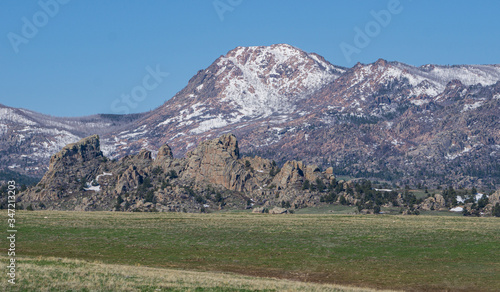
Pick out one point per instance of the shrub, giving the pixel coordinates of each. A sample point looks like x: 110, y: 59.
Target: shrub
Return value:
x: 496, y: 210
x: 320, y: 185
x: 150, y: 197
x: 330, y: 198
x: 219, y: 198
x: 157, y: 170
x: 200, y: 199
x: 172, y: 174
x: 481, y: 203
x: 119, y: 201
x: 285, y: 204
x: 306, y: 185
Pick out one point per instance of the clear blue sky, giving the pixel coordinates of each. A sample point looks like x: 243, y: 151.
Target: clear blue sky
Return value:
x: 88, y: 53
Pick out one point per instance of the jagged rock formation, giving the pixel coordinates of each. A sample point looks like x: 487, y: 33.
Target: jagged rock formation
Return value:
x: 216, y: 162
x: 213, y: 176
x: 69, y: 168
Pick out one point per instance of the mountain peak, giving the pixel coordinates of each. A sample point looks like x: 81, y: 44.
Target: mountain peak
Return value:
x: 279, y: 50
x: 263, y: 80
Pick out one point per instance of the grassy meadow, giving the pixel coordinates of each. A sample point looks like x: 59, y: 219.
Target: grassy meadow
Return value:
x: 248, y: 252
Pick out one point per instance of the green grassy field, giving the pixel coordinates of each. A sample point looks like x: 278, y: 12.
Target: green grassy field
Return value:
x: 414, y: 253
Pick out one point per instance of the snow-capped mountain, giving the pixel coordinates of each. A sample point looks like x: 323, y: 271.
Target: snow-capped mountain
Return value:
x: 432, y: 124
x: 246, y: 85
x: 260, y: 81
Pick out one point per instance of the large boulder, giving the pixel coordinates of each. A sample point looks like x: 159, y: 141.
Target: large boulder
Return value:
x: 216, y: 162
x: 436, y: 202
x: 278, y: 210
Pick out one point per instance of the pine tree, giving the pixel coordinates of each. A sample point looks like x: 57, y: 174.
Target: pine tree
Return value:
x: 496, y: 210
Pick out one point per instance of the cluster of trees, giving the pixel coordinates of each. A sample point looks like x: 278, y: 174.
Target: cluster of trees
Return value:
x: 4, y: 194
x: 363, y: 192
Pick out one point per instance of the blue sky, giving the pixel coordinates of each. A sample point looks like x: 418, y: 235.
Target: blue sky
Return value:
x: 82, y: 56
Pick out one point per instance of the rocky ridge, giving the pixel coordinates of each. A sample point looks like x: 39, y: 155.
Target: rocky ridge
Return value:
x: 211, y: 177
x: 214, y: 176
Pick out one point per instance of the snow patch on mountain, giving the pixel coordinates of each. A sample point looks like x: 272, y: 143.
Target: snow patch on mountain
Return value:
x: 217, y: 122
x: 10, y: 115
x: 439, y: 76
x: 419, y: 101
x: 48, y: 148
x: 472, y: 106
x: 186, y: 115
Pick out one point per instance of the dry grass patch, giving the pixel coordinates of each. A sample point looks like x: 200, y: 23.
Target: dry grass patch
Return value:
x: 58, y: 274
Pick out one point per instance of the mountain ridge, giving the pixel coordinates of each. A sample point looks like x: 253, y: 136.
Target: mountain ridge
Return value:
x: 284, y: 103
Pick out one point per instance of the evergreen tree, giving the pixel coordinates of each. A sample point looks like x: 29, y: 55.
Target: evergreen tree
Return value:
x: 496, y: 210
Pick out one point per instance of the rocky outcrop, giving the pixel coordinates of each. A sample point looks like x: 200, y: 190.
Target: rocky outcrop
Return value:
x: 217, y: 162
x: 86, y: 149
x: 213, y: 176
x: 164, y: 158
x: 70, y: 169
x: 292, y: 173
x: 129, y: 179
x: 494, y: 198
x: 436, y: 202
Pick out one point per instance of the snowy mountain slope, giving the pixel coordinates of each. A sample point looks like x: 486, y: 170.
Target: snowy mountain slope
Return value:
x: 260, y: 81
x: 28, y: 139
